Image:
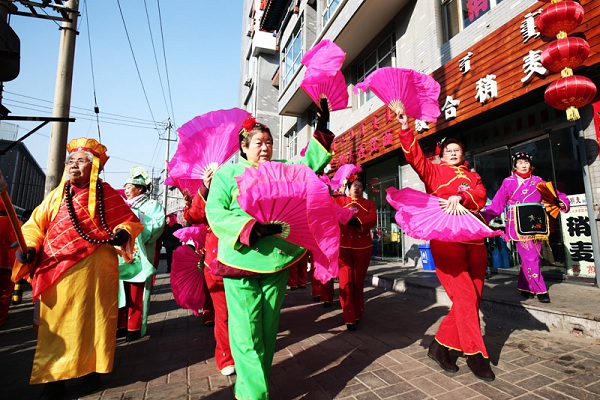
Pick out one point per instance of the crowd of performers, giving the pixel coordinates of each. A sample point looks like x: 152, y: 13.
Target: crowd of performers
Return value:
x: 93, y: 252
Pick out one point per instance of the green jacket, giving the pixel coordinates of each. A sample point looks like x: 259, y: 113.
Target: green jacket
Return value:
x: 227, y: 219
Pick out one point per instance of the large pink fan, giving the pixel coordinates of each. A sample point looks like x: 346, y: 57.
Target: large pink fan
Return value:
x: 421, y: 216
x: 342, y: 174
x: 187, y: 278
x: 325, y: 56
x: 318, y: 85
x: 293, y: 196
x: 206, y: 141
x: 405, y: 91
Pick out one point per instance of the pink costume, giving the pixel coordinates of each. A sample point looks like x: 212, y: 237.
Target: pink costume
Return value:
x: 513, y: 191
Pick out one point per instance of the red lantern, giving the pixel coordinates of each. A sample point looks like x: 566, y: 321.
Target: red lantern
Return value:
x: 570, y: 93
x: 564, y: 53
x: 560, y: 19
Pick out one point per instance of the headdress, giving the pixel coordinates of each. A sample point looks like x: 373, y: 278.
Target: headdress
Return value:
x: 138, y: 176
x: 98, y: 150
x: 521, y: 155
x: 247, y: 126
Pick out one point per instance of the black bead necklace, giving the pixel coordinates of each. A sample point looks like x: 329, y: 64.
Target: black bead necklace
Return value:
x: 100, y: 202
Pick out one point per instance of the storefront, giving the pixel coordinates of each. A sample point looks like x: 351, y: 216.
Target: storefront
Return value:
x: 492, y: 98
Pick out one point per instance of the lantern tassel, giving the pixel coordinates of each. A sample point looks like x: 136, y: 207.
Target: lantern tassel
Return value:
x: 573, y: 114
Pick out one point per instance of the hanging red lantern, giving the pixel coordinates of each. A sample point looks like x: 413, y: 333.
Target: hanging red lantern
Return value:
x: 560, y: 19
x: 565, y: 53
x: 570, y: 93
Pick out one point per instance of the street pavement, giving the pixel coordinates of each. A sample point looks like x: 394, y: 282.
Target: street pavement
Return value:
x: 317, y: 358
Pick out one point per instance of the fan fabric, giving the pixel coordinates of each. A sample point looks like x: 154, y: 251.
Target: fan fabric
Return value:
x: 421, y: 217
x: 343, y: 172
x: 195, y: 234
x: 405, y: 91
x: 318, y: 85
x: 293, y: 196
x: 187, y: 279
x: 549, y: 198
x: 325, y: 56
x: 207, y: 140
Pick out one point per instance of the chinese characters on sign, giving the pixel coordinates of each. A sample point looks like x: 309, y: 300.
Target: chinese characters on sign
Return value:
x: 579, y: 256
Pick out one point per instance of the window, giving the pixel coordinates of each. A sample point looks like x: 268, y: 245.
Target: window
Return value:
x: 292, y: 144
x: 458, y: 14
x: 383, y: 56
x: 292, y: 54
x: 329, y: 9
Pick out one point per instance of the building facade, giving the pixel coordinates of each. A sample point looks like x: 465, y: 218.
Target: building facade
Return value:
x: 485, y: 56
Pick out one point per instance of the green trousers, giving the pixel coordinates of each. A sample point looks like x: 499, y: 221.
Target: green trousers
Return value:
x: 254, y: 305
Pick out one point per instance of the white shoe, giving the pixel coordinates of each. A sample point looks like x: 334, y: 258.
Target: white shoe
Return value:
x: 228, y: 370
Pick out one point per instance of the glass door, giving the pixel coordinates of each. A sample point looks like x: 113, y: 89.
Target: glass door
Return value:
x: 386, y: 234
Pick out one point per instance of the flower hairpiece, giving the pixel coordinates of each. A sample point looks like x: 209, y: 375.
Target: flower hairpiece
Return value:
x: 247, y: 126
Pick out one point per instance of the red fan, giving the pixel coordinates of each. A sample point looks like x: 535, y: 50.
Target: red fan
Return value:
x: 206, y: 141
x: 318, y: 85
x: 325, y: 56
x: 422, y: 216
x: 405, y: 91
x: 341, y: 175
x: 549, y: 198
x: 187, y: 278
x: 293, y: 196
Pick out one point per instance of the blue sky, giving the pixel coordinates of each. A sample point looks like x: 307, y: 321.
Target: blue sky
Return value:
x: 202, y: 46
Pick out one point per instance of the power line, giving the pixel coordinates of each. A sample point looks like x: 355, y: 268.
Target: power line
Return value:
x: 96, y: 109
x: 162, y: 37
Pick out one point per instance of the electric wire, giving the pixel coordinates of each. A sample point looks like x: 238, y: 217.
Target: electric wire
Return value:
x: 96, y: 108
x: 136, y: 64
x: 162, y: 37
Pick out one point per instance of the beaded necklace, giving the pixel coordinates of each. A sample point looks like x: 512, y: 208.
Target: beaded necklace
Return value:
x: 71, y: 209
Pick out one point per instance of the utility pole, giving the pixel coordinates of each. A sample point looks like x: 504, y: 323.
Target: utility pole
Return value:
x: 62, y: 98
x: 166, y: 189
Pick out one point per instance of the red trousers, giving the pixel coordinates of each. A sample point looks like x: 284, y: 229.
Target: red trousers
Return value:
x: 353, y: 270
x: 460, y: 267
x: 130, y: 316
x: 6, y: 291
x: 322, y: 290
x: 299, y: 273
x: 216, y: 289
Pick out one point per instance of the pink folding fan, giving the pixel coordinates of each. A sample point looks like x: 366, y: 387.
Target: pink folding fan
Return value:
x: 294, y: 197
x: 405, y: 91
x: 342, y: 174
x: 320, y: 85
x: 422, y: 216
x: 325, y: 56
x: 187, y: 278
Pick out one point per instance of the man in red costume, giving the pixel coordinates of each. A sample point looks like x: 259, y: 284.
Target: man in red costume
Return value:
x: 70, y: 252
x: 460, y: 266
x: 355, y: 250
x: 194, y: 213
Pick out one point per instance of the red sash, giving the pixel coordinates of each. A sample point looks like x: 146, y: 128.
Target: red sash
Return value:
x: 63, y: 247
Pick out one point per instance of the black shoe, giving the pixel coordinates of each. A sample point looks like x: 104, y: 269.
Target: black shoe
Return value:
x: 441, y: 355
x: 132, y: 336
x: 527, y: 295
x: 293, y: 287
x: 480, y: 367
x: 543, y: 297
x: 317, y: 298
x: 357, y: 322
x: 91, y: 383
x: 351, y: 327
x: 327, y: 304
x: 53, y: 390
x: 121, y: 333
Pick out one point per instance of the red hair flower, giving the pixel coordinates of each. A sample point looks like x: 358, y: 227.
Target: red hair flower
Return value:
x: 248, y: 125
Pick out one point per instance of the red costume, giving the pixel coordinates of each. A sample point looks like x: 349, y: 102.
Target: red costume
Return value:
x: 355, y: 255
x: 7, y: 260
x: 299, y: 273
x: 196, y: 215
x: 460, y: 266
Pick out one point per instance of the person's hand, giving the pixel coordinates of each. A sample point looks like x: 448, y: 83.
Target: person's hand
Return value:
x: 261, y: 230
x: 354, y: 222
x: 403, y: 119
x: 452, y: 205
x: 187, y: 197
x: 208, y: 177
x: 562, y: 205
x: 26, y: 258
x: 121, y: 237
x: 323, y: 116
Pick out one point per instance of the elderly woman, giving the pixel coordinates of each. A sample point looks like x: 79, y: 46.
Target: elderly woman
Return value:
x: 136, y: 275
x: 249, y: 247
x: 460, y: 266
x: 71, y: 255
x: 518, y: 190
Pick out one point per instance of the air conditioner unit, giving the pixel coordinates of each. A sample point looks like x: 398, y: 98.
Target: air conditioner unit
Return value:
x: 247, y: 80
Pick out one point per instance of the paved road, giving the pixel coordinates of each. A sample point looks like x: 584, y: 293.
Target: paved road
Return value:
x: 318, y: 359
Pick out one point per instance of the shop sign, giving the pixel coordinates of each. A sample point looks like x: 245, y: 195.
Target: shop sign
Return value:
x: 577, y: 238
